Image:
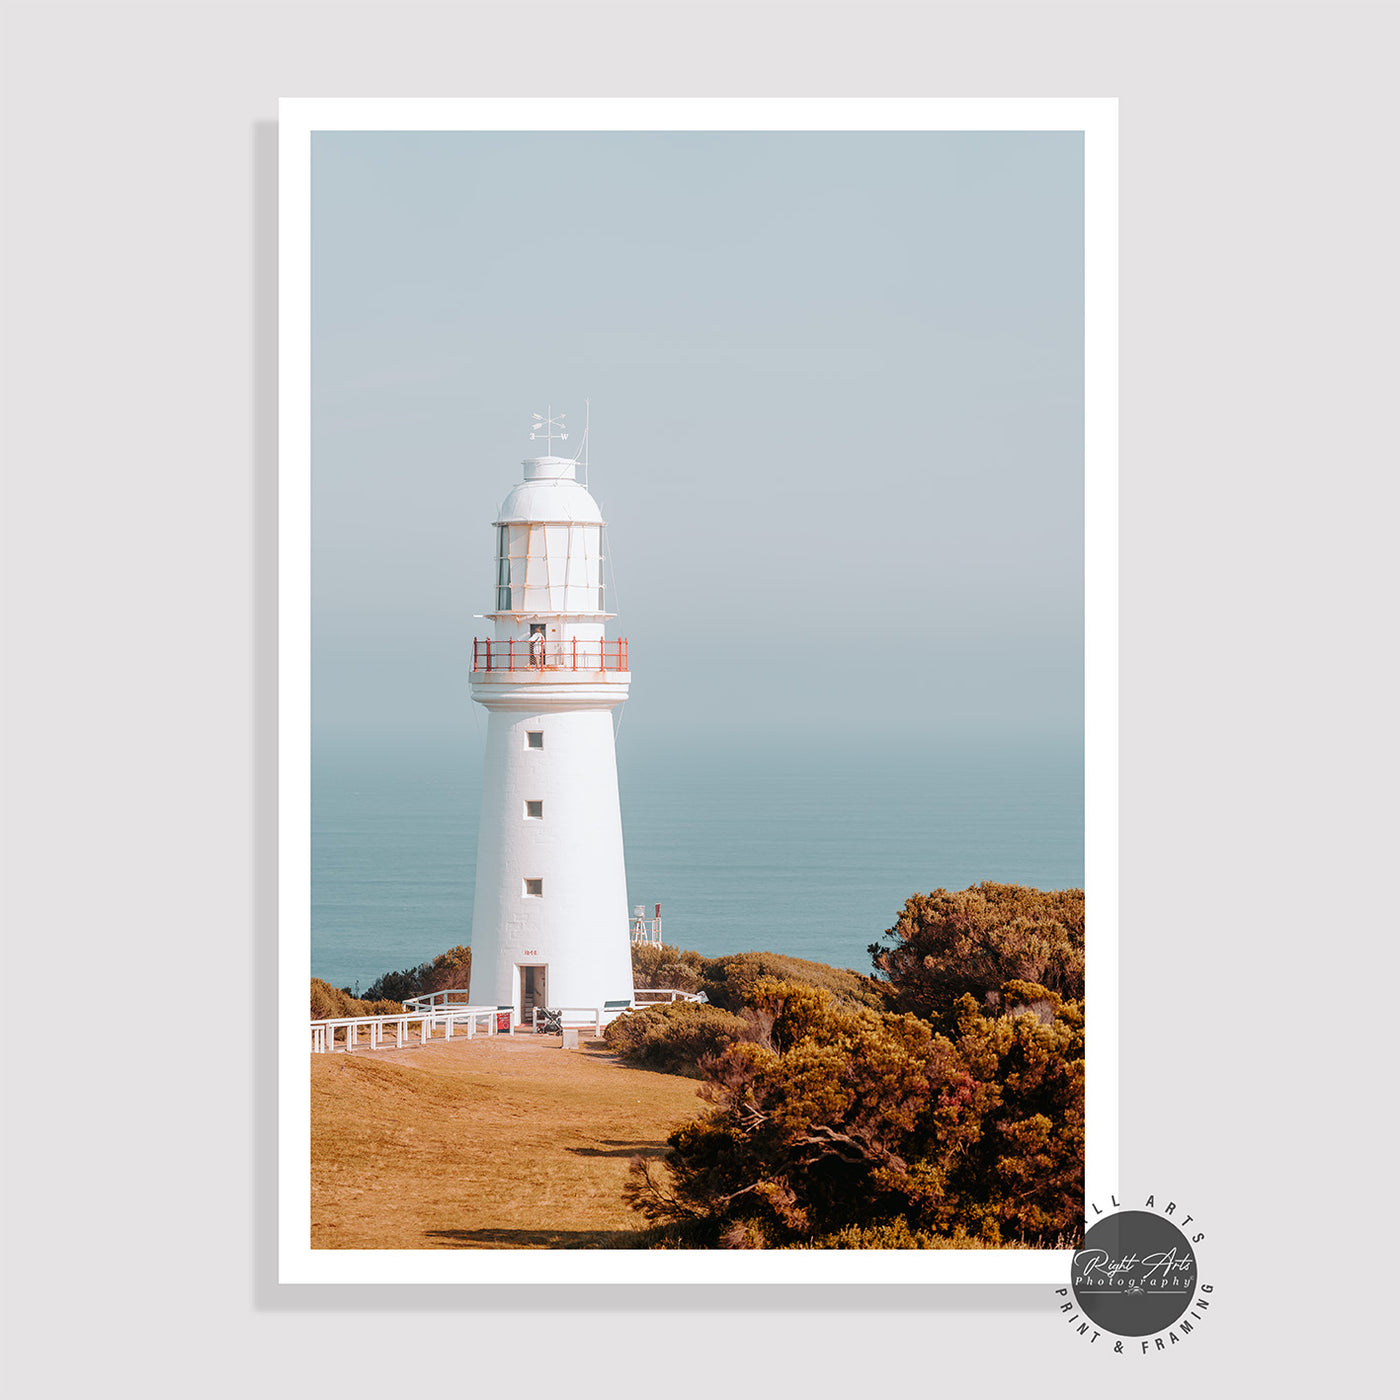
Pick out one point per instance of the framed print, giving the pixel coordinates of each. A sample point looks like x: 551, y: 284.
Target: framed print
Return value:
x: 698, y: 676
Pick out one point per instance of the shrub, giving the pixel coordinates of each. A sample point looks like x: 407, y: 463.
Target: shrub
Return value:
x: 679, y: 1036
x: 970, y: 943
x: 660, y: 965
x: 851, y: 1118
x: 896, y: 1234
x: 450, y: 969
x: 729, y: 981
x: 328, y: 1003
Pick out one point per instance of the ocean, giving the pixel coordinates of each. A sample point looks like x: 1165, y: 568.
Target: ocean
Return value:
x: 805, y: 850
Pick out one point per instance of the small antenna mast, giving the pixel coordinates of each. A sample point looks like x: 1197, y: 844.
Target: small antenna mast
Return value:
x: 587, y: 404
x: 549, y: 427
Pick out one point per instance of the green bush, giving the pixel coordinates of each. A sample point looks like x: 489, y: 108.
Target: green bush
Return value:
x: 679, y: 1036
x: 896, y: 1234
x: 448, y: 970
x: 972, y: 942
x: 850, y: 1119
x: 328, y: 1003
x: 727, y: 981
x: 660, y: 965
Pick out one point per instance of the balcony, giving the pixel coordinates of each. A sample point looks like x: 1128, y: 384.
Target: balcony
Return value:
x: 541, y: 656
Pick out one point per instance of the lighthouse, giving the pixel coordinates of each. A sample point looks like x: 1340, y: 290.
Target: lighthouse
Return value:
x: 549, y: 922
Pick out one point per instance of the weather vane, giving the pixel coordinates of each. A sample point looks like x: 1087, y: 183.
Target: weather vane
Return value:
x: 548, y: 427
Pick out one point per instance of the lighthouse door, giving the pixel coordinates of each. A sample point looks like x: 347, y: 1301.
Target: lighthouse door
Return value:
x: 531, y: 991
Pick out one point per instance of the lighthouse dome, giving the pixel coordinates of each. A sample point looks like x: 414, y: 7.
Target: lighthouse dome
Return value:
x: 550, y: 492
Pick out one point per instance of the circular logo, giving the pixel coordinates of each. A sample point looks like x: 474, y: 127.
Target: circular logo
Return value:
x: 1135, y: 1275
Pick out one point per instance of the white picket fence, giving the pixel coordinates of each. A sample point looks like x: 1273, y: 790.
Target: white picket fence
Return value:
x: 450, y: 1011
x: 346, y: 1029
x: 452, y: 998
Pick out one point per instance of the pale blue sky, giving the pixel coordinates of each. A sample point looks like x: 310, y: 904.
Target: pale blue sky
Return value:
x: 837, y: 385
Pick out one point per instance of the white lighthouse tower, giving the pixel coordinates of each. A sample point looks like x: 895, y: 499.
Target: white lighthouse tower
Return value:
x: 549, y: 923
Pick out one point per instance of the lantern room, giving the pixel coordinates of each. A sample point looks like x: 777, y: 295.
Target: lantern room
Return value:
x: 549, y: 549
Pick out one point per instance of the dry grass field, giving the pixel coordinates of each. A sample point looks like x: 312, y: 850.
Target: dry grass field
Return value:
x: 500, y: 1142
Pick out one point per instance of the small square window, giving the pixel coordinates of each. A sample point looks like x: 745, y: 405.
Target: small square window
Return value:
x: 534, y: 809
x: 534, y: 889
x: 534, y: 738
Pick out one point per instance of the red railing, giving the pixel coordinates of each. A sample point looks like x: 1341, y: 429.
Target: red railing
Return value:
x: 536, y: 654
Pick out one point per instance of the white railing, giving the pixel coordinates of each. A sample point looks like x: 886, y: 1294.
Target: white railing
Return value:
x: 449, y: 1010
x: 324, y: 1033
x: 433, y: 1001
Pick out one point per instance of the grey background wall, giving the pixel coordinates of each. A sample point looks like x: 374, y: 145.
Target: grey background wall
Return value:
x: 1258, y: 449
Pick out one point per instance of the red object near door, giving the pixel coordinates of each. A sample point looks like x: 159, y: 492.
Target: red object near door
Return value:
x: 503, y: 1021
